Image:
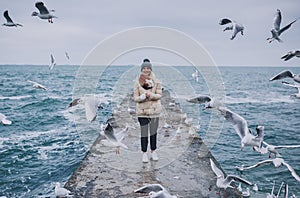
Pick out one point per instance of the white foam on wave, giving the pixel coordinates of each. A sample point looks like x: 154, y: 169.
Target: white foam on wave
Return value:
x: 14, y: 97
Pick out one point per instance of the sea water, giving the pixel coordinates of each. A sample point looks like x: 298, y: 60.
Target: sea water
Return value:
x: 46, y: 140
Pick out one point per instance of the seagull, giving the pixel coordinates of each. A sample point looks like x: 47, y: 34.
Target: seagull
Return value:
x: 3, y: 120
x: 115, y: 139
x: 276, y: 162
x: 9, y: 21
x: 236, y: 27
x: 195, y: 75
x: 61, y: 192
x: 75, y: 102
x: 241, y: 127
x: 286, y: 74
x: 246, y: 193
x: 37, y: 85
x: 225, y: 182
x: 67, y: 55
x: 52, y: 63
x: 297, y: 95
x: 273, y: 149
x: 155, y: 191
x: 290, y: 55
x: 276, y: 31
x: 208, y: 101
x: 91, y: 103
x: 43, y: 12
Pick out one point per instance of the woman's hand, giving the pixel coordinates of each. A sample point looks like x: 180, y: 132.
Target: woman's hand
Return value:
x: 147, y: 95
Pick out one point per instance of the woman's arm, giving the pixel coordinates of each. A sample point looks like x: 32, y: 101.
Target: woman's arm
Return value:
x: 158, y: 92
x: 136, y: 93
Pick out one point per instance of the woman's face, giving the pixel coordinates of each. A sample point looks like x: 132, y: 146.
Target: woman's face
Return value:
x: 146, y: 70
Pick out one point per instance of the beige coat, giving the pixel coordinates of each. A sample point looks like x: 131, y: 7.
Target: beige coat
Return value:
x: 151, y: 107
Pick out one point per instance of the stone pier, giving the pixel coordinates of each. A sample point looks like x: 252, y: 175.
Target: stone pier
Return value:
x: 183, y: 167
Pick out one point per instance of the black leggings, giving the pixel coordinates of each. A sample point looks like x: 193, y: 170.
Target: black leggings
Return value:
x: 146, y: 124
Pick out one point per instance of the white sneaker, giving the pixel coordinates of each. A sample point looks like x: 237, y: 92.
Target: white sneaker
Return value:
x: 145, y: 158
x: 154, y: 156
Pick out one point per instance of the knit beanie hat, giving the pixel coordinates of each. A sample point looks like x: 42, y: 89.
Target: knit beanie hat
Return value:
x: 146, y: 63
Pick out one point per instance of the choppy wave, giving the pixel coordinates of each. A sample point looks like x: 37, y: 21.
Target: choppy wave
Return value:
x: 47, y: 140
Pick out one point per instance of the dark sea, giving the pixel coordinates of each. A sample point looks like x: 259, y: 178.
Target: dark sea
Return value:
x: 46, y: 142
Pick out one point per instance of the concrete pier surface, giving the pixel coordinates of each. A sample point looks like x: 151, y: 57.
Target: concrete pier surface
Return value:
x: 183, y: 167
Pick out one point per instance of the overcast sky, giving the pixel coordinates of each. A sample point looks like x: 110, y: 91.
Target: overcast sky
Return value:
x: 82, y: 25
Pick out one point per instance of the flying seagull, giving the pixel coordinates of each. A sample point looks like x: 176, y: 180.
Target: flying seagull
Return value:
x: 114, y: 139
x: 155, y: 191
x: 290, y: 55
x: 272, y: 149
x: 207, y: 100
x: 241, y: 127
x: 44, y: 13
x: 3, y: 120
x: 234, y: 26
x: 67, y: 55
x: 286, y: 74
x: 91, y: 104
x: 297, y: 95
x: 52, y: 62
x: 277, y: 31
x: 276, y: 162
x: 195, y: 75
x: 225, y: 182
x: 9, y: 21
x: 37, y: 85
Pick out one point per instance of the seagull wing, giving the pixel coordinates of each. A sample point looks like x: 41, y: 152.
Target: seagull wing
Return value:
x: 283, y: 74
x: 109, y: 133
x: 287, y: 146
x: 199, y: 99
x: 52, y: 62
x: 238, y: 122
x: 286, y: 27
x: 75, y: 102
x: 236, y: 178
x: 8, y: 19
x: 293, y: 172
x: 216, y: 170
x: 258, y: 164
x: 90, y: 108
x: 41, y: 7
x: 291, y: 85
x: 277, y: 20
x: 288, y: 56
x: 225, y: 21
x: 150, y: 187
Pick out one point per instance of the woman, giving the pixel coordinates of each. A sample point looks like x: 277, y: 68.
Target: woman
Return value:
x: 147, y: 95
